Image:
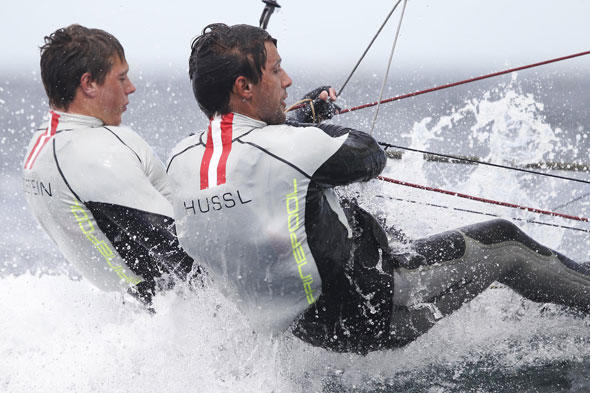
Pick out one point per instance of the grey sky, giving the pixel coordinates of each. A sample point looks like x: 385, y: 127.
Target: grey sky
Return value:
x: 331, y: 34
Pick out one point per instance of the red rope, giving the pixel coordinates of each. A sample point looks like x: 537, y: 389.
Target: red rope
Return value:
x: 491, y: 201
x: 461, y: 82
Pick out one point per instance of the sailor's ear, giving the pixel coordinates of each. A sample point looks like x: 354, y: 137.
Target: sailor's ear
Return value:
x: 243, y: 87
x: 88, y: 85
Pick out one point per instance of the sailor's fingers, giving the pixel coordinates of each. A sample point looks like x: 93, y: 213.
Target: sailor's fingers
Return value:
x: 328, y: 94
x: 332, y: 94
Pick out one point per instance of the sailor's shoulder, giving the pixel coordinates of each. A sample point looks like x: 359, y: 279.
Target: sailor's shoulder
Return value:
x: 125, y: 134
x: 185, y: 149
x: 305, y: 147
x: 124, y: 130
x: 291, y: 128
x: 302, y: 137
x: 108, y: 147
x: 189, y: 142
x: 100, y: 134
x: 84, y: 139
x: 299, y: 131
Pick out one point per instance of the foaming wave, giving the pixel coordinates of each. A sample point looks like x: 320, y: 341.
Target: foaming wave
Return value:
x: 63, y: 335
x: 499, y: 341
x: 504, y: 126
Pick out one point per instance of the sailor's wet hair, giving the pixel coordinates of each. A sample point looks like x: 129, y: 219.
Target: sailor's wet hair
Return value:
x: 220, y: 55
x: 70, y: 52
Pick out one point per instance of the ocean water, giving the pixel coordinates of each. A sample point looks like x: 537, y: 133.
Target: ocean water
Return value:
x: 58, y: 333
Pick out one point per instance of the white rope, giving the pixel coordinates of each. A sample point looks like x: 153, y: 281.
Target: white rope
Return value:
x: 368, y: 47
x: 399, y: 25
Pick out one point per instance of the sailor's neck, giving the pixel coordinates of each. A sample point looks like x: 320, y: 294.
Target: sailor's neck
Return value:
x: 69, y: 116
x: 244, y: 119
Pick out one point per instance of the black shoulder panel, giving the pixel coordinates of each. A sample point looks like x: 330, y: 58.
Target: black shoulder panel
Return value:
x: 360, y: 158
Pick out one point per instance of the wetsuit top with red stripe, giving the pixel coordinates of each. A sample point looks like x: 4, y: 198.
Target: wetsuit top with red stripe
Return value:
x: 252, y: 202
x: 101, y: 194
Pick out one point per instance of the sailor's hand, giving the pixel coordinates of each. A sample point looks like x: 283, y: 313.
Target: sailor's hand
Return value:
x: 318, y: 105
x: 326, y: 94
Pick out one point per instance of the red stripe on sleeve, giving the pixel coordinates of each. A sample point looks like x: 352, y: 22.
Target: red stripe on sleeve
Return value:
x: 34, y: 148
x: 43, y: 139
x: 206, y: 160
x: 226, y: 139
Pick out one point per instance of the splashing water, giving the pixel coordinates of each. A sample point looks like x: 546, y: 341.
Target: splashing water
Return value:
x: 61, y: 334
x: 504, y: 126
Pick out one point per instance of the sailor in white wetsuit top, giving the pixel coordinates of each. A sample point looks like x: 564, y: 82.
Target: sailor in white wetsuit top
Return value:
x: 255, y: 202
x: 254, y: 237
x: 96, y: 188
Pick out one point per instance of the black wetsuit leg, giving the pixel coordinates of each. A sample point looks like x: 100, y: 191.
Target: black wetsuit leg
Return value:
x: 387, y: 300
x: 447, y: 270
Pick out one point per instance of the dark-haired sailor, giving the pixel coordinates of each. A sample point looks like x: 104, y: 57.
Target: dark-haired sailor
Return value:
x: 95, y: 187
x: 298, y: 255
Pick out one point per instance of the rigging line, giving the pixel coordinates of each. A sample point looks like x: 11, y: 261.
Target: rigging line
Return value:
x: 485, y: 200
x: 572, y: 201
x: 368, y: 47
x: 481, y: 213
x: 399, y: 25
x: 547, y: 165
x: 416, y: 93
x: 459, y: 158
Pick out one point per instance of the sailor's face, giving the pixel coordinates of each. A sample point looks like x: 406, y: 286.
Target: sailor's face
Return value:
x: 270, y: 92
x: 112, y: 94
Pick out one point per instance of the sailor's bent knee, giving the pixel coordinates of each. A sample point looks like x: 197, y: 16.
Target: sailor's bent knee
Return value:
x: 451, y: 245
x: 441, y: 247
x: 499, y: 231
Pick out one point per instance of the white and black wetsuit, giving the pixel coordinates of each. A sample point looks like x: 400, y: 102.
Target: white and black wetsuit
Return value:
x: 241, y: 206
x: 256, y: 204
x: 101, y: 194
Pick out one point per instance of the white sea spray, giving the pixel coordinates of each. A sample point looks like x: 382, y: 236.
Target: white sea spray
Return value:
x: 60, y: 334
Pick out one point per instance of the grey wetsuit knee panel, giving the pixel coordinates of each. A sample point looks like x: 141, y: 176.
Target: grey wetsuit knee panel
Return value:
x: 448, y: 246
x: 498, y: 231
